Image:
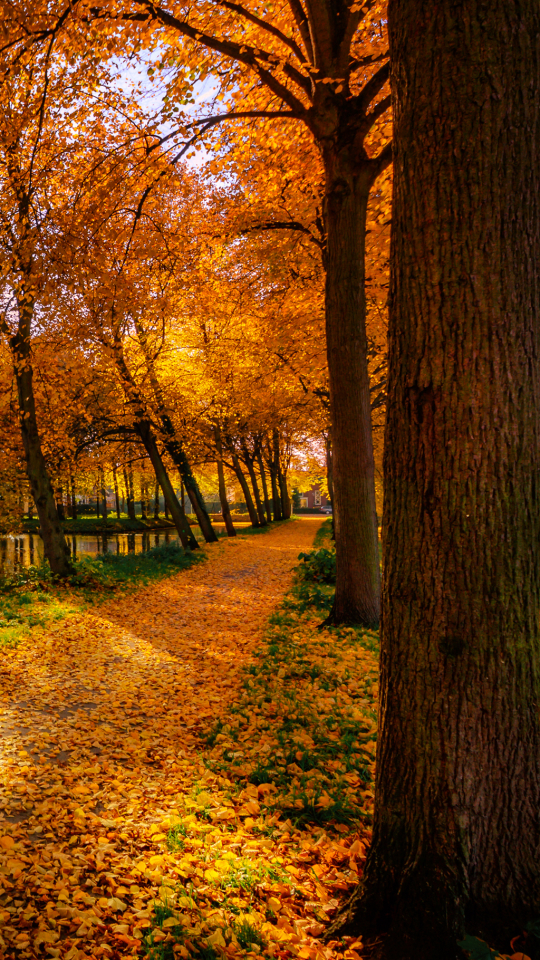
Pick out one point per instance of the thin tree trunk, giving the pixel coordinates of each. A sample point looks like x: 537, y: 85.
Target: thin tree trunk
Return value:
x: 156, y: 501
x: 55, y: 547
x: 248, y: 460
x: 282, y: 480
x: 116, y: 491
x: 456, y: 844
x: 225, y: 509
x: 174, y: 446
x: 73, y: 495
x: 103, y: 493
x: 180, y: 520
x: 253, y: 516
x: 267, y: 504
x: 144, y: 512
x: 329, y: 470
x: 128, y: 483
x: 276, y: 499
x: 60, y: 504
x: 98, y: 502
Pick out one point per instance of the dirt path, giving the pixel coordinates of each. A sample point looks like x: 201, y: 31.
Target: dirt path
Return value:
x: 99, y: 723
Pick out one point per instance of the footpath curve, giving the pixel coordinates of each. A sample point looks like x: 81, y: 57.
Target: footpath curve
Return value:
x: 95, y: 713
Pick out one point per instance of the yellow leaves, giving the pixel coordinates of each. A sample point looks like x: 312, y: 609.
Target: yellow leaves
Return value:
x: 102, y: 868
x: 116, y: 905
x: 46, y: 936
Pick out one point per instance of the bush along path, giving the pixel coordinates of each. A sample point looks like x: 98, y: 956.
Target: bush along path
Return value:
x: 186, y: 769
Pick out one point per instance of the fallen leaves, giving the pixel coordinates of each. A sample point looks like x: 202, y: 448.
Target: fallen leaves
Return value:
x: 102, y: 760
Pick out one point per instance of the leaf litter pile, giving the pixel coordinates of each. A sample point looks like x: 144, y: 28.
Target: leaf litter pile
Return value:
x: 187, y: 769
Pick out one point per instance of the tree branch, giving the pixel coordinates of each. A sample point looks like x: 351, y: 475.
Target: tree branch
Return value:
x: 234, y: 115
x: 275, y: 31
x: 303, y: 26
x: 240, y: 52
x: 284, y: 225
x: 378, y: 111
x: 373, y: 87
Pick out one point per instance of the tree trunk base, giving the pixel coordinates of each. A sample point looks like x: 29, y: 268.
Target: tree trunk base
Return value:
x: 402, y: 947
x: 347, y: 621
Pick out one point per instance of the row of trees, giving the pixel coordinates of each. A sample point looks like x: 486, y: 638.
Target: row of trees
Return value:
x: 195, y: 296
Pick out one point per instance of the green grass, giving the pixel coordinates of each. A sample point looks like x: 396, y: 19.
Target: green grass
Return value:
x: 96, y: 525
x: 309, y: 699
x: 248, y: 935
x: 31, y: 597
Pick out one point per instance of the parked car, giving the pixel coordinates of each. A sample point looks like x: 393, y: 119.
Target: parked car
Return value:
x: 326, y: 509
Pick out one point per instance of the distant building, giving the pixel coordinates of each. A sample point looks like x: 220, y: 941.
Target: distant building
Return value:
x: 314, y: 500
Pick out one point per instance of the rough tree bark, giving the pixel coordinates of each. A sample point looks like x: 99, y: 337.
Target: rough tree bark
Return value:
x: 456, y: 844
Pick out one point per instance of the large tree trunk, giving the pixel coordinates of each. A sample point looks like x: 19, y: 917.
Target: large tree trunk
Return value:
x: 357, y: 598
x: 225, y: 509
x: 456, y: 843
x: 55, y: 547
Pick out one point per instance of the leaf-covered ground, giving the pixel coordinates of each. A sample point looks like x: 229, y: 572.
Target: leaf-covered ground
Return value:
x: 186, y: 770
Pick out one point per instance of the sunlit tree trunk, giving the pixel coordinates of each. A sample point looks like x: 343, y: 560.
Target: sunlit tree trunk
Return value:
x: 273, y: 470
x: 253, y: 515
x: 181, y: 522
x: 456, y: 844
x: 174, y: 446
x: 249, y: 461
x: 103, y: 492
x: 267, y: 504
x: 116, y: 491
x: 130, y: 500
x: 225, y: 509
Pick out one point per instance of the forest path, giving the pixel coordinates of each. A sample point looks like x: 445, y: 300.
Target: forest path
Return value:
x: 99, y: 719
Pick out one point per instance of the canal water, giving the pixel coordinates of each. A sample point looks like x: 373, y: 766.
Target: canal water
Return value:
x: 26, y: 549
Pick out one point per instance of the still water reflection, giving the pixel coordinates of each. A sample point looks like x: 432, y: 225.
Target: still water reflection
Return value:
x: 26, y: 549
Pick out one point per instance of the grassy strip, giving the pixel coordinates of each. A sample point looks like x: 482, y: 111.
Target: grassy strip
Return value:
x: 33, y: 597
x: 96, y: 525
x: 274, y: 831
